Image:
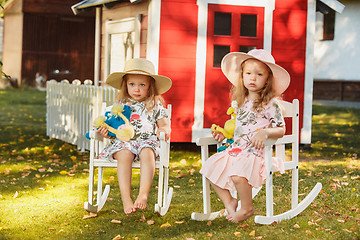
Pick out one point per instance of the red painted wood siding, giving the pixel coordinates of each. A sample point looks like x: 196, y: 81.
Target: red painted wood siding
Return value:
x: 178, y: 33
x: 289, y: 45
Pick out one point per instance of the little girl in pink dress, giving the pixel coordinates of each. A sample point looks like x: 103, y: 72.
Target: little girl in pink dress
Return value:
x: 257, y: 81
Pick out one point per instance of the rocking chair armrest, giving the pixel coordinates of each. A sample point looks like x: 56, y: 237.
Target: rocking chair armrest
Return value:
x: 283, y: 140
x: 205, y: 141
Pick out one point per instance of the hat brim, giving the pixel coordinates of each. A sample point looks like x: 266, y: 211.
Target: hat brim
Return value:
x: 162, y: 83
x: 231, y: 66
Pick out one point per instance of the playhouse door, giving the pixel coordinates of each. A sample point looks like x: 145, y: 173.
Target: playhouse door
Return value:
x: 230, y: 29
x: 122, y: 42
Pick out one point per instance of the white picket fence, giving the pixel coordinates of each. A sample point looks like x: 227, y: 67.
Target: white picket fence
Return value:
x: 71, y: 109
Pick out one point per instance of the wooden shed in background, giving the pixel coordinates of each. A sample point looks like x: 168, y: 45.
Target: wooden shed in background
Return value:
x: 43, y: 36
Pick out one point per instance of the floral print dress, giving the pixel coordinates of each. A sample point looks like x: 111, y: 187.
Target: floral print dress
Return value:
x: 240, y: 159
x: 144, y: 123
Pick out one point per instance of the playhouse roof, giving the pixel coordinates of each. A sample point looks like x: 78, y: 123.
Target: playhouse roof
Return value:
x: 334, y: 4
x: 76, y: 8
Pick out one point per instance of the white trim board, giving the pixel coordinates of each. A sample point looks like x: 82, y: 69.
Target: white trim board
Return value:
x: 153, y: 37
x: 334, y: 4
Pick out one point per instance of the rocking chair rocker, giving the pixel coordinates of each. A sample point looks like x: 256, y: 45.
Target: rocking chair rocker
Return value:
x: 97, y: 144
x: 291, y: 111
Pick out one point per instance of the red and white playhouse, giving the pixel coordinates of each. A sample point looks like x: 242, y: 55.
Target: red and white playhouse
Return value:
x: 186, y: 40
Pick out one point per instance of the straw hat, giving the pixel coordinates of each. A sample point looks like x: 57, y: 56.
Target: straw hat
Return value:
x: 143, y: 67
x: 231, y: 65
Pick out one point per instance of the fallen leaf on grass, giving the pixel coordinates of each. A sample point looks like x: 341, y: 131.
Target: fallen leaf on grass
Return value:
x: 209, y: 234
x: 209, y: 223
x: 296, y: 226
x: 237, y: 234
x: 118, y: 237
x: 243, y: 225
x: 15, y: 195
x: 115, y: 221
x: 352, y: 228
x: 165, y: 225
x: 99, y: 231
x: 150, y: 222
x: 180, y: 176
x: 63, y: 172
x: 179, y: 222
x: 91, y: 215
x: 355, y: 177
x: 252, y: 233
x: 308, y: 232
x: 343, y: 220
x: 142, y: 218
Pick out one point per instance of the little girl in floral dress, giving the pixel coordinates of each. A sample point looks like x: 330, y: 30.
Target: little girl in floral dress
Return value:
x: 258, y: 82
x: 142, y: 89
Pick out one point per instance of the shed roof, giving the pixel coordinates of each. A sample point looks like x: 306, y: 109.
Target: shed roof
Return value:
x: 85, y: 4
x: 334, y: 4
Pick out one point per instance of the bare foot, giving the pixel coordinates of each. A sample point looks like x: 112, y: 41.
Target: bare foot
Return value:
x: 231, y: 206
x: 128, y: 206
x: 240, y: 215
x: 141, y: 202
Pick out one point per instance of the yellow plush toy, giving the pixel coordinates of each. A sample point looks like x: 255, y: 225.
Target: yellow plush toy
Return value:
x: 228, y: 130
x: 229, y: 126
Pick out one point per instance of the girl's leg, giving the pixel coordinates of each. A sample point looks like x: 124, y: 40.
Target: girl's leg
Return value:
x: 230, y: 203
x: 124, y: 171
x: 244, y: 191
x: 147, y: 170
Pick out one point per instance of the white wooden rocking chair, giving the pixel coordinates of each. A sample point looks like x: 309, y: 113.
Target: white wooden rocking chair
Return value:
x: 97, y: 144
x: 291, y: 110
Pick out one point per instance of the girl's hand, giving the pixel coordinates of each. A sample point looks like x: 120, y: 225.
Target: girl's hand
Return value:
x: 218, y: 136
x: 103, y: 131
x: 163, y: 126
x: 258, y: 141
x: 167, y: 132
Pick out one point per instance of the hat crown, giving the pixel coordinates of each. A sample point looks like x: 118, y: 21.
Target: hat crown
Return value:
x: 139, y: 65
x: 262, y: 55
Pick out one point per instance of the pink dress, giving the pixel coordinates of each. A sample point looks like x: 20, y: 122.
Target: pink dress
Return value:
x: 240, y: 159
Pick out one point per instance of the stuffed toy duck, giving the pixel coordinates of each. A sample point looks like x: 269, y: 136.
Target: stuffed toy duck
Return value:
x: 117, y: 122
x: 228, y: 130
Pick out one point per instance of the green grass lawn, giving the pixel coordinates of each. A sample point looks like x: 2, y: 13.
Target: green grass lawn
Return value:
x: 43, y: 185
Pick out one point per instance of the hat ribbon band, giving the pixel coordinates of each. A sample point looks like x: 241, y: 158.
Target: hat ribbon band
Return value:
x: 136, y: 70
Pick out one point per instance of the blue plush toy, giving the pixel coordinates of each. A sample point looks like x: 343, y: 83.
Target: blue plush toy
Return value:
x: 117, y: 122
